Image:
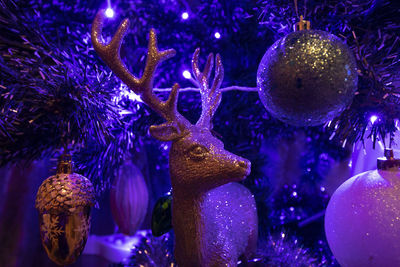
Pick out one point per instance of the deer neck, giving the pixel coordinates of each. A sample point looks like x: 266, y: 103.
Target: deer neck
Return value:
x: 187, y: 207
x: 187, y: 220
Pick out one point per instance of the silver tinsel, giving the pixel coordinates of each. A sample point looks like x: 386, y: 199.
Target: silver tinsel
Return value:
x: 276, y: 251
x: 280, y: 251
x: 153, y: 252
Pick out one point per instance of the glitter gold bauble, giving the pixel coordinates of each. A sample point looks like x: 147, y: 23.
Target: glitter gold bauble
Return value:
x: 64, y: 201
x: 307, y: 78
x: 362, y: 220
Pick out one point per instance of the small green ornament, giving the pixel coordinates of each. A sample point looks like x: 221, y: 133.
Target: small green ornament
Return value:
x: 161, y: 218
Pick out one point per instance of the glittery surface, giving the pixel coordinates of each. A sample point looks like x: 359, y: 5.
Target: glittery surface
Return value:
x: 215, y: 221
x: 307, y: 78
x: 210, y: 97
x: 228, y: 207
x: 362, y: 221
x: 64, y: 193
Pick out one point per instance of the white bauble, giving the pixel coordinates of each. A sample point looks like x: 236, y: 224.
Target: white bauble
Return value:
x: 362, y: 220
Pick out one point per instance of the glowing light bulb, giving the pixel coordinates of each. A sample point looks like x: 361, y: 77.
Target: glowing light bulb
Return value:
x: 109, y: 12
x: 217, y: 35
x: 186, y: 74
x: 185, y: 15
x: 373, y: 119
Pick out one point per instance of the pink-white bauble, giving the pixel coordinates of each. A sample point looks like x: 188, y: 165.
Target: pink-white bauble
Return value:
x: 129, y: 199
x: 362, y: 220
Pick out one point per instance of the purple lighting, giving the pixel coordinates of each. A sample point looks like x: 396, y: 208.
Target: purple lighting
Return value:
x: 217, y: 35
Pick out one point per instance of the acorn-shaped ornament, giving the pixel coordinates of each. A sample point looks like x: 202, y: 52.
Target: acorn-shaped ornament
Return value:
x: 64, y: 201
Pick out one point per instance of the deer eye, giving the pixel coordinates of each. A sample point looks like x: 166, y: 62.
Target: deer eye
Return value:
x: 198, y: 152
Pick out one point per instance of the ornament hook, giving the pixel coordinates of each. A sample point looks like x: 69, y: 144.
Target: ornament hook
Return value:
x: 302, y: 24
x: 64, y: 164
x: 388, y: 162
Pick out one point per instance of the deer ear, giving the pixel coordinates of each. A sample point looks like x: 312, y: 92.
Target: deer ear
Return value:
x: 167, y: 131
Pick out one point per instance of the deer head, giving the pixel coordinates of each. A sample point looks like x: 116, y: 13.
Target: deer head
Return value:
x: 198, y: 160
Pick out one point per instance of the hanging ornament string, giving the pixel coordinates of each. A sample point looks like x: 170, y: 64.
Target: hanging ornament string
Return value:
x: 301, y: 24
x: 296, y: 9
x: 66, y: 150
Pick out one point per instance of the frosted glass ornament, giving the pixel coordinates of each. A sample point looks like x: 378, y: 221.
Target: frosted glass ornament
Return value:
x: 362, y: 220
x: 129, y: 198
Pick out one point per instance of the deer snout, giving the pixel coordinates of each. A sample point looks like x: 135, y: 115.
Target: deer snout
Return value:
x: 242, y: 164
x: 245, y: 165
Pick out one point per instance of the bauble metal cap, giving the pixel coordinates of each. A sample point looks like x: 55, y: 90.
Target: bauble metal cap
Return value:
x: 388, y: 162
x: 65, y: 191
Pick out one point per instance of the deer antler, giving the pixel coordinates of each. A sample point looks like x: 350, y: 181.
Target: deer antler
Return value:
x: 110, y: 54
x: 210, y: 97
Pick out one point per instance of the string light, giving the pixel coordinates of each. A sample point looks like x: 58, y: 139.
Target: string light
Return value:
x: 185, y: 15
x: 186, y: 74
x: 109, y: 12
x: 373, y: 119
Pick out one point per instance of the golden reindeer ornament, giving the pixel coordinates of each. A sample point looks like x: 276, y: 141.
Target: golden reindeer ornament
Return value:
x: 214, y: 218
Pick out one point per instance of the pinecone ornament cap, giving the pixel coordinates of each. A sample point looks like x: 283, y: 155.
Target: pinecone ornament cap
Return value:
x: 64, y: 193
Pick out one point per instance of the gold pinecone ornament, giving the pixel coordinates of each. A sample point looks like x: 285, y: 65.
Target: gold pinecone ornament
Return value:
x: 64, y: 201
